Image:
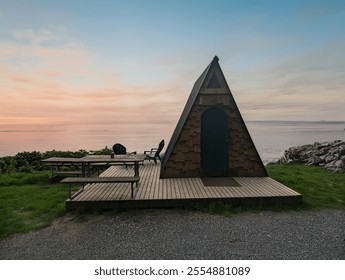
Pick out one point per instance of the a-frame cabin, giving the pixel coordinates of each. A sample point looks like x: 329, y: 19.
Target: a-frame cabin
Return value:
x: 211, y: 138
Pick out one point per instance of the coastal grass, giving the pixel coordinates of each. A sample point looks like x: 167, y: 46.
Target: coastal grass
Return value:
x: 29, y: 202
x: 319, y: 187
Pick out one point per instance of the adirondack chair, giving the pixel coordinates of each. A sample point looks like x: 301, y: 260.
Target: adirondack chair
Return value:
x: 154, y: 153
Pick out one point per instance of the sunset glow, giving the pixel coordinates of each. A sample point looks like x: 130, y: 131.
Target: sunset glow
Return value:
x: 102, y: 62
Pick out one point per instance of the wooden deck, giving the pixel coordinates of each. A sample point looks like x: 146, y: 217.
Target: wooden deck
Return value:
x: 155, y: 192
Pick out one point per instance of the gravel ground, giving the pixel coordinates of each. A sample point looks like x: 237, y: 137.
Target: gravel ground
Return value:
x: 175, y: 234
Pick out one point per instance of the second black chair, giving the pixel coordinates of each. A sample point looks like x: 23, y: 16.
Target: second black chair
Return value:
x: 154, y: 153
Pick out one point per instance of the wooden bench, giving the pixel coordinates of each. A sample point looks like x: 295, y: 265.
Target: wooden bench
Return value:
x: 91, y: 180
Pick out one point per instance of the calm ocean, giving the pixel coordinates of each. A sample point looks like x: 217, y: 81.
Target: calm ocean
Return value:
x: 271, y: 138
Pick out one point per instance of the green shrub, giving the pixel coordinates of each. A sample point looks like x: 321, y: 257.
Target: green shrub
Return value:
x: 29, y: 162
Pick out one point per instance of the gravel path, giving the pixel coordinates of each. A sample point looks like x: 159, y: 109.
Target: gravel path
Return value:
x: 174, y: 234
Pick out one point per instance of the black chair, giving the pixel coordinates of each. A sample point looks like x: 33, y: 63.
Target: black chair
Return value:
x: 119, y: 149
x: 154, y: 153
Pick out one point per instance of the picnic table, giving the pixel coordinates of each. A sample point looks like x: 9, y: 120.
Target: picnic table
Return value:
x: 84, y: 164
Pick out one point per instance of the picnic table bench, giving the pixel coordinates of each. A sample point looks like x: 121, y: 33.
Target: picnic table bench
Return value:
x: 90, y: 180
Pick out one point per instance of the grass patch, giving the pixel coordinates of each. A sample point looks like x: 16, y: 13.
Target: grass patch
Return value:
x: 21, y: 178
x: 29, y: 202
x: 319, y: 187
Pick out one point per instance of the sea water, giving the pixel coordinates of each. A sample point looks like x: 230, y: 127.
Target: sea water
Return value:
x: 271, y: 138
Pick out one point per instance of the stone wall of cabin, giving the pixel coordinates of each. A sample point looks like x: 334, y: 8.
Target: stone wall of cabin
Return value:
x: 184, y: 161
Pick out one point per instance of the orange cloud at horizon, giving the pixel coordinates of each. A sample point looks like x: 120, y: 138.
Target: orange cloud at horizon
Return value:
x: 49, y: 79
x: 61, y: 85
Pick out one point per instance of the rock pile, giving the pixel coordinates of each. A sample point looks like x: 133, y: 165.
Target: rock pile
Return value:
x: 330, y: 155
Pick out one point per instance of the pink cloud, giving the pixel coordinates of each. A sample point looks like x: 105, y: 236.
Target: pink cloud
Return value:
x: 59, y: 83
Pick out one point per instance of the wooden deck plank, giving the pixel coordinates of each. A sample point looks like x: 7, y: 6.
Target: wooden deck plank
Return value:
x: 152, y: 190
x: 112, y: 191
x: 144, y: 181
x: 235, y: 192
x: 184, y: 182
x: 191, y: 190
x: 274, y: 189
x: 147, y: 183
x: 161, y: 187
x: 98, y: 191
x: 264, y: 188
x: 103, y: 191
x: 158, y: 190
x: 269, y: 189
x: 141, y: 194
x: 278, y: 184
x: 199, y: 191
x: 92, y: 192
x: 89, y: 192
x: 141, y: 191
x: 175, y: 185
x: 155, y: 192
x: 211, y: 192
x: 164, y: 189
x: 180, y: 191
x: 173, y: 191
x: 108, y: 191
x: 223, y: 191
x: 251, y: 187
x: 199, y: 187
x: 255, y: 191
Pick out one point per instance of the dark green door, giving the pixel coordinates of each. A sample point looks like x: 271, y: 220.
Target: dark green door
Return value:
x: 214, y: 142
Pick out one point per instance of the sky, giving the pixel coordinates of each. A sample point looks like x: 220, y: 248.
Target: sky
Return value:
x: 91, y: 62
